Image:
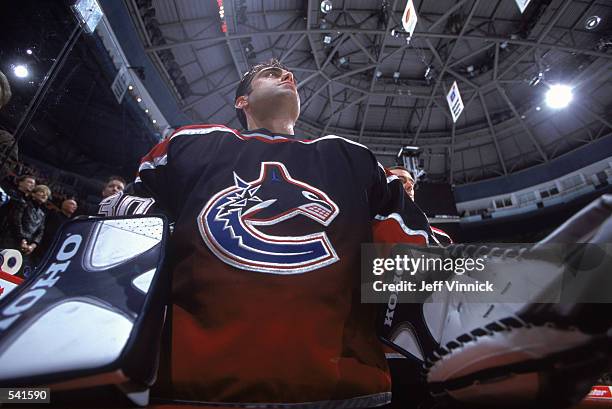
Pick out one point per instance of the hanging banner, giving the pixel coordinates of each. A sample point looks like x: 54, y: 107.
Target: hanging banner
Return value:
x: 409, y: 19
x: 120, y: 84
x: 454, y: 101
x: 522, y: 4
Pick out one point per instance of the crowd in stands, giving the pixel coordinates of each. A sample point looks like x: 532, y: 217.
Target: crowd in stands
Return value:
x: 34, y: 203
x: 30, y: 219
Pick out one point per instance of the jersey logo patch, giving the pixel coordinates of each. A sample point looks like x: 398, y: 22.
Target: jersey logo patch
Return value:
x: 228, y: 223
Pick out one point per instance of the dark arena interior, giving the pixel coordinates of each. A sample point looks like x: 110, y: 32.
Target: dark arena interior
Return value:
x: 224, y: 203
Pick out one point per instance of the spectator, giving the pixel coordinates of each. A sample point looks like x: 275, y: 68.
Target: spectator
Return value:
x: 26, y: 224
x: 410, y: 186
x: 113, y: 185
x: 55, y: 220
x: 16, y: 198
x: 405, y: 177
x: 6, y: 139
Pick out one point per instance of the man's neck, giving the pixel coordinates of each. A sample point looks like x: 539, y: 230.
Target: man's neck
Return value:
x: 280, y: 126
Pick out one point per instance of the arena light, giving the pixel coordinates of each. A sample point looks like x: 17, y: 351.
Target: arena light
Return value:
x: 21, y: 71
x: 29, y: 52
x: 139, y: 99
x: 559, y: 96
x: 592, y: 22
x: 326, y: 6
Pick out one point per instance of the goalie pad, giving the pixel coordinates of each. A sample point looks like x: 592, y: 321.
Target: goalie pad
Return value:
x: 540, y: 350
x: 93, y: 312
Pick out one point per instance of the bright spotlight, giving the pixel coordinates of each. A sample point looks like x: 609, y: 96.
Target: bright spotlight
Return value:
x: 559, y: 96
x: 592, y: 22
x: 326, y: 6
x: 29, y: 52
x: 21, y: 71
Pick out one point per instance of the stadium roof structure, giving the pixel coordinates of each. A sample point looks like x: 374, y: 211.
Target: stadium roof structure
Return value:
x: 360, y: 78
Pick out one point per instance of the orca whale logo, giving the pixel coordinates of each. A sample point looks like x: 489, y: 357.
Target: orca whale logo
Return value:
x: 228, y: 223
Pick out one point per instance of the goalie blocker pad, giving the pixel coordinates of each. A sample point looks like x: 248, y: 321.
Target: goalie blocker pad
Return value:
x: 93, y: 312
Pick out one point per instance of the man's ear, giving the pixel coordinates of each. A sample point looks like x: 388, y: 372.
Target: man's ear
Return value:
x: 241, y: 102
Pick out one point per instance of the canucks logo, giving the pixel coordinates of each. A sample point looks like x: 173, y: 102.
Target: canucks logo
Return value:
x: 229, y: 223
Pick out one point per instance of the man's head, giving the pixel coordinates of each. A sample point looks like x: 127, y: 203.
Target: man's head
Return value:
x: 113, y: 185
x: 266, y: 91
x: 69, y: 206
x: 5, y: 90
x: 41, y: 194
x: 25, y: 183
x: 405, y: 177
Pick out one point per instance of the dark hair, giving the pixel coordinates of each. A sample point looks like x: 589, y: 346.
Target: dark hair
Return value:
x: 119, y: 178
x: 399, y: 167
x: 244, y: 88
x: 24, y: 177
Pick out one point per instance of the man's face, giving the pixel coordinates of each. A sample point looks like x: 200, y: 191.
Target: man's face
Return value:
x: 273, y: 93
x: 69, y: 206
x: 40, y: 196
x: 406, y: 180
x: 26, y: 185
x: 112, y: 187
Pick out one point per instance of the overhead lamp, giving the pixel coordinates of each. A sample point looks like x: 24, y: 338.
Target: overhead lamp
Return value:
x: 430, y: 74
x: 155, y: 121
x: 29, y: 52
x: 536, y: 79
x: 138, y: 99
x: 326, y: 6
x: 378, y: 74
x: 130, y: 87
x: 396, y: 76
x: 559, y: 96
x: 343, y: 61
x: 147, y: 111
x: 538, y: 108
x: 327, y: 39
x: 592, y: 22
x: 21, y: 71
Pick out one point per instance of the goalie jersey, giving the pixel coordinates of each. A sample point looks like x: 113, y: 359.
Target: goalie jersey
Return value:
x: 265, y: 260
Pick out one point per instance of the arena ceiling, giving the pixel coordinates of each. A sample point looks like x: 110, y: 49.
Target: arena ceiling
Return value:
x: 359, y: 81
